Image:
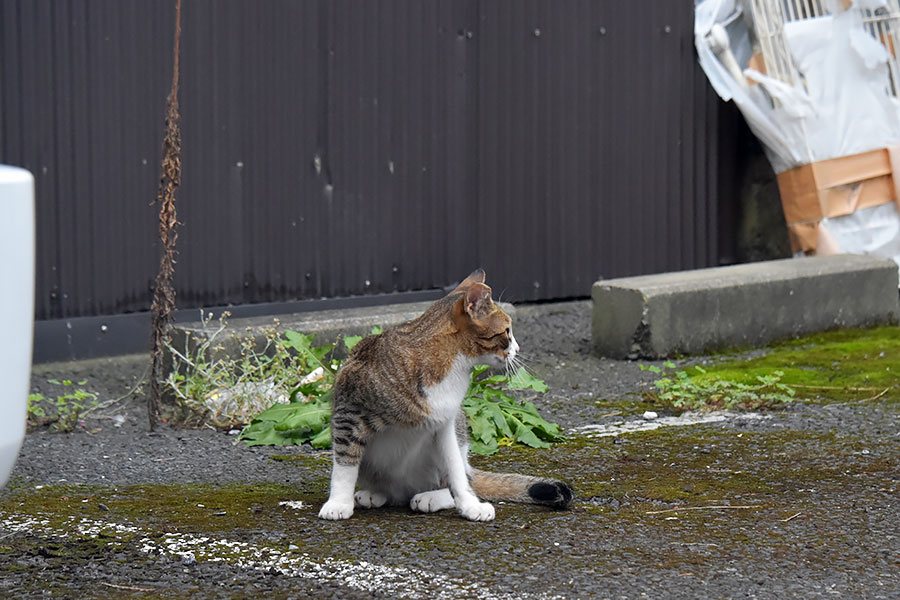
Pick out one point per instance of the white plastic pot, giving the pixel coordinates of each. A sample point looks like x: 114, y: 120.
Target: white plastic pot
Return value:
x: 16, y: 309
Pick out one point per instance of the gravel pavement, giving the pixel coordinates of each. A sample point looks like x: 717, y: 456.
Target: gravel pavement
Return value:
x: 800, y: 503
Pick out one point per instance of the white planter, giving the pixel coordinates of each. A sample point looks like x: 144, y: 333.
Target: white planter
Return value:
x: 16, y: 309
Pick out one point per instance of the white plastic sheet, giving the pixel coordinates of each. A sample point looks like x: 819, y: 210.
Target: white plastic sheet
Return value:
x: 873, y: 230
x: 777, y: 127
x: 839, y: 105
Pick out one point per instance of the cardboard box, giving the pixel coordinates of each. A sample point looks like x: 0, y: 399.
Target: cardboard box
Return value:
x: 836, y: 187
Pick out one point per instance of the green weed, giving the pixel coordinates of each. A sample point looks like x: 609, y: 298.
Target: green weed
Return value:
x: 834, y: 366
x: 845, y: 365
x: 281, y: 393
x: 680, y: 390
x: 497, y: 418
x: 211, y: 386
x: 63, y: 412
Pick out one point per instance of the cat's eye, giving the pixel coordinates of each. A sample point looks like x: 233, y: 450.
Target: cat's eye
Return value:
x: 505, y: 332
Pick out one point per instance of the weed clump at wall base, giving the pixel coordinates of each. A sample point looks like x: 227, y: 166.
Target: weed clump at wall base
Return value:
x: 210, y: 386
x: 280, y: 394
x: 63, y: 412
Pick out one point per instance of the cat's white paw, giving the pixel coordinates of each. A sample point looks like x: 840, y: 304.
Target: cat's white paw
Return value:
x: 367, y: 499
x: 334, y: 510
x: 477, y: 511
x: 432, y: 501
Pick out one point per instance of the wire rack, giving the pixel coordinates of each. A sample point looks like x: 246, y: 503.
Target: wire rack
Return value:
x: 770, y: 17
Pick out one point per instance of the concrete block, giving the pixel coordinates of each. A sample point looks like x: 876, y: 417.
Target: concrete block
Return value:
x: 655, y: 316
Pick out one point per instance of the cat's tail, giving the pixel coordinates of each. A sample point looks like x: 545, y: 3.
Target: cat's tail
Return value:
x: 512, y: 487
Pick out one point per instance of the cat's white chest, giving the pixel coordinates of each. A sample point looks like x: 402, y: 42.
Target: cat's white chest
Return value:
x: 446, y: 396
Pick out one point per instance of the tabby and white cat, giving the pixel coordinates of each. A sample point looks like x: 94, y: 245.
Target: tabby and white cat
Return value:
x: 397, y: 426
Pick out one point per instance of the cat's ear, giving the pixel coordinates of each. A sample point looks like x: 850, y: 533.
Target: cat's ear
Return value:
x: 478, y: 301
x: 477, y: 276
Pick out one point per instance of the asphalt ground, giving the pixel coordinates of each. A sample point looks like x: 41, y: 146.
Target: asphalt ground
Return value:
x: 797, y: 503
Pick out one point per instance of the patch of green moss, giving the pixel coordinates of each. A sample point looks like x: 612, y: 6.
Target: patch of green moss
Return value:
x: 308, y: 461
x: 841, y: 365
x: 629, y: 404
x: 642, y: 483
x: 696, y: 465
x: 180, y: 508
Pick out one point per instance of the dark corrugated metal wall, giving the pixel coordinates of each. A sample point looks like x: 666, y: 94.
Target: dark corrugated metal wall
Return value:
x: 339, y: 147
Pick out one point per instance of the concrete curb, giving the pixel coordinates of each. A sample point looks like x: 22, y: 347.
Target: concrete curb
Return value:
x: 655, y: 316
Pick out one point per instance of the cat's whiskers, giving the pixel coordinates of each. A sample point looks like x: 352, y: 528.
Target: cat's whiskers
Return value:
x: 519, y: 358
x: 514, y: 364
x: 508, y: 364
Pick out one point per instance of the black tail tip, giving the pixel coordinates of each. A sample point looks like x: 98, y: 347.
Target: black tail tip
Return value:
x: 554, y: 494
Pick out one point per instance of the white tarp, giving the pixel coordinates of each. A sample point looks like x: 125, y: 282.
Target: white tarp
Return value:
x: 839, y: 105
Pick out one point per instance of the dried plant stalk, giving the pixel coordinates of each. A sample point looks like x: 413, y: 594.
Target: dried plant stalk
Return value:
x: 164, y: 293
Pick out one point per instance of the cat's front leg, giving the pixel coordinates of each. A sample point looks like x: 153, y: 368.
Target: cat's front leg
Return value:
x: 467, y: 503
x: 349, y: 435
x: 340, y: 500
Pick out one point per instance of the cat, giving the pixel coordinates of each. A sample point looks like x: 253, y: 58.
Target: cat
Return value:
x: 397, y: 427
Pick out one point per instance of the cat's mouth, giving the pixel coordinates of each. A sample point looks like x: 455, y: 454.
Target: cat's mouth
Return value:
x: 511, y: 357
x: 510, y: 361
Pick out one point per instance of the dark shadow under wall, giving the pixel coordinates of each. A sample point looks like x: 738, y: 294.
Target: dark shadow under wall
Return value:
x: 762, y: 232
